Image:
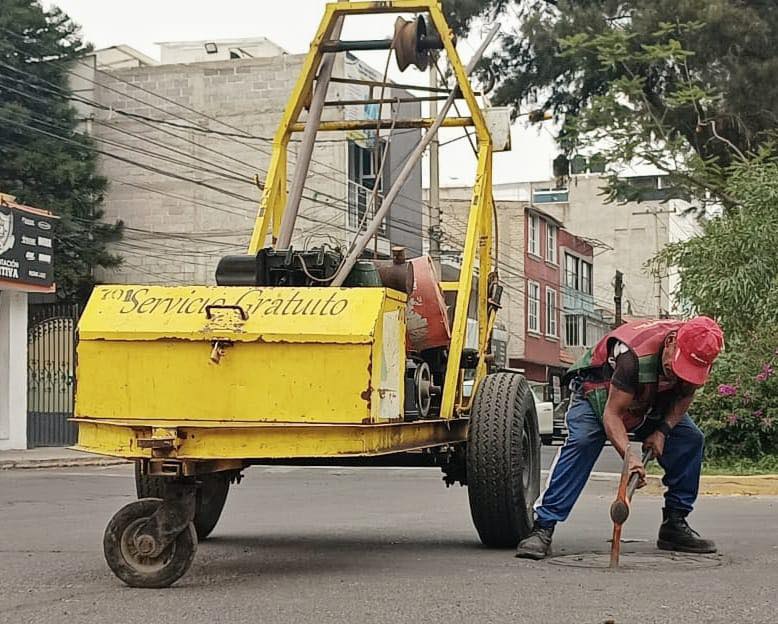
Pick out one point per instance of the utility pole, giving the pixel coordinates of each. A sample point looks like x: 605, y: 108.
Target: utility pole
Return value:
x: 618, y: 291
x: 434, y: 198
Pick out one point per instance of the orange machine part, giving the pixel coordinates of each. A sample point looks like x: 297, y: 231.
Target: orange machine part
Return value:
x: 426, y: 316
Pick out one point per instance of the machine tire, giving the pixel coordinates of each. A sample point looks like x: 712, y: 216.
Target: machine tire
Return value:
x: 211, y: 497
x: 136, y: 570
x: 503, y: 460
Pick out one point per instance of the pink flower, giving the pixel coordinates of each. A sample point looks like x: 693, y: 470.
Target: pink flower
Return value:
x: 732, y: 419
x: 759, y: 413
x: 727, y: 390
x: 767, y: 370
x: 762, y: 376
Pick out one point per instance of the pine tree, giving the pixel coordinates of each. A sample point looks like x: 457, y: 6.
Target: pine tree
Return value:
x: 45, y: 160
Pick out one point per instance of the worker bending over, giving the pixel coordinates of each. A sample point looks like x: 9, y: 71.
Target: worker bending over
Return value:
x: 640, y: 378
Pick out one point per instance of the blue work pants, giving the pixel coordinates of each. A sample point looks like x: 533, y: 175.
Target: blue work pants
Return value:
x: 681, y: 461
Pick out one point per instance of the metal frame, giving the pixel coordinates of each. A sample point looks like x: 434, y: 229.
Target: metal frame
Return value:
x: 479, y: 238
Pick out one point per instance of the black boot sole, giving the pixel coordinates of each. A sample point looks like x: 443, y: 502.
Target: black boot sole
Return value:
x: 531, y: 554
x: 665, y: 545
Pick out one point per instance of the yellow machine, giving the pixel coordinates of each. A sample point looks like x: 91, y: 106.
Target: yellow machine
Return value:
x: 196, y: 383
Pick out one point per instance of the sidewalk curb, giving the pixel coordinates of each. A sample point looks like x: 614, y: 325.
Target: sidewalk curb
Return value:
x: 710, y: 485
x: 74, y: 462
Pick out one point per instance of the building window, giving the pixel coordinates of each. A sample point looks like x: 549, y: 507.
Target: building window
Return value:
x: 586, y: 277
x: 533, y: 307
x: 578, y: 274
x: 571, y: 271
x: 581, y: 331
x: 572, y: 330
x: 363, y: 166
x: 551, y: 236
x: 551, y: 313
x: 533, y: 240
x: 550, y: 196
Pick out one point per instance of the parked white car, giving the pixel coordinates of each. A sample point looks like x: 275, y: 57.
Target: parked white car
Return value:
x: 545, y: 411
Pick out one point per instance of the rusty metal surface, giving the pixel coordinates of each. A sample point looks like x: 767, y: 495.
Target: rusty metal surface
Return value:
x: 383, y: 124
x: 619, y: 510
x: 427, y: 315
x: 396, y: 273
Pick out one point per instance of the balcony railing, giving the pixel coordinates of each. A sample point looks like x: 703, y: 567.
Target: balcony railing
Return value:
x: 359, y: 202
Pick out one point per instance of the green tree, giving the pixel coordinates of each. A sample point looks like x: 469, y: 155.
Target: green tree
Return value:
x: 730, y: 271
x: 37, y: 47
x: 687, y: 79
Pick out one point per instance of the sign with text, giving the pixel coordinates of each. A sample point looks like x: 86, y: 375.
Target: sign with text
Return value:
x: 26, y: 247
x: 237, y: 313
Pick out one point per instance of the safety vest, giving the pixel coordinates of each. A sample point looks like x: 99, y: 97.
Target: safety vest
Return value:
x: 645, y: 340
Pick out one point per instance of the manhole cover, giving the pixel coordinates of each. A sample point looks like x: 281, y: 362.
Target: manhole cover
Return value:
x: 640, y: 561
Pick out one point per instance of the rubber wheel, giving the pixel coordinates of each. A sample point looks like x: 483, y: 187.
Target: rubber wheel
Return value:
x: 135, y: 569
x: 211, y: 496
x: 503, y: 460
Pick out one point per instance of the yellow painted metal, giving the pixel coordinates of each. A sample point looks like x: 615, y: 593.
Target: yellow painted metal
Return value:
x: 207, y: 441
x: 370, y: 124
x: 475, y: 227
x: 135, y: 312
x: 289, y: 354
x: 288, y: 384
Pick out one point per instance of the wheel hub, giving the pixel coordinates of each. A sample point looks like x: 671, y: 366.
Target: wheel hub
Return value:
x: 137, y: 548
x: 145, y: 544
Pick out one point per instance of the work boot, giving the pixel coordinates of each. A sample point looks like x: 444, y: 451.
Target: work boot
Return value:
x: 676, y: 534
x: 537, y: 545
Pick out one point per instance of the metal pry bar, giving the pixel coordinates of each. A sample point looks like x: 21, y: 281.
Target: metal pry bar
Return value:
x: 620, y: 507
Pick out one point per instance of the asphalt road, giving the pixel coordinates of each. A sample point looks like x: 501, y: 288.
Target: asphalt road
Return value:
x: 334, y: 545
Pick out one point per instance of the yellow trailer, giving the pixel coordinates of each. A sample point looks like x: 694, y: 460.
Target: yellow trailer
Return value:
x: 196, y: 383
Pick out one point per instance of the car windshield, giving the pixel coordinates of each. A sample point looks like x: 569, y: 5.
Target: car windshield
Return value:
x: 537, y: 390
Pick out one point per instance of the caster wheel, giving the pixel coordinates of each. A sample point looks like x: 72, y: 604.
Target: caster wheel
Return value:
x: 211, y: 497
x: 128, y: 562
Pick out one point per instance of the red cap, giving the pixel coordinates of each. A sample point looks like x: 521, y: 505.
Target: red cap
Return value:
x: 698, y: 344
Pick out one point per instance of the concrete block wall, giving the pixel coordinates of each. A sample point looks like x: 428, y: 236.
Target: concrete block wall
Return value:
x: 178, y: 225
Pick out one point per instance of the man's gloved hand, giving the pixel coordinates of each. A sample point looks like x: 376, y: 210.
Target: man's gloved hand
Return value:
x: 636, y: 466
x: 655, y: 443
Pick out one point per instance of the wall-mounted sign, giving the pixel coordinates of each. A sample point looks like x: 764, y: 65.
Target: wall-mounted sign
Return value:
x: 26, y: 247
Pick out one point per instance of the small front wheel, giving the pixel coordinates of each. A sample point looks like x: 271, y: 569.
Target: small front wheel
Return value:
x: 126, y: 559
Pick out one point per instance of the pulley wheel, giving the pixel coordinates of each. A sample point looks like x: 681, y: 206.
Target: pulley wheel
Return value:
x: 422, y: 380
x: 407, y: 43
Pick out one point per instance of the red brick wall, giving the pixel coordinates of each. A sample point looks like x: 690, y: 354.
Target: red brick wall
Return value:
x: 539, y: 347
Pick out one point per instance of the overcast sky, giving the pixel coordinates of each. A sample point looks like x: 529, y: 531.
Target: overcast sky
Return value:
x: 292, y: 24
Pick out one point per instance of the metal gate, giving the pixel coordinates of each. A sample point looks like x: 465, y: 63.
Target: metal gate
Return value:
x: 51, y: 375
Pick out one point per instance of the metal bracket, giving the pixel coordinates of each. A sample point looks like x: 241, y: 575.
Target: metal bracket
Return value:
x: 171, y: 518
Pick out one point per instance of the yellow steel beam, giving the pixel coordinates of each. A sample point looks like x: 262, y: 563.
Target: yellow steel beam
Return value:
x: 481, y: 192
x: 478, y: 240
x: 272, y: 441
x: 449, y: 286
x: 372, y: 124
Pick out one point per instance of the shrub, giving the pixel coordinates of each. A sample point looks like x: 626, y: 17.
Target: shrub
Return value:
x: 738, y: 408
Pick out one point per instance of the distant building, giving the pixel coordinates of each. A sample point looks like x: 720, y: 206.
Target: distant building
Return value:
x: 584, y: 321
x: 184, y: 139
x: 540, y: 301
x: 624, y: 235
x: 217, y: 50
